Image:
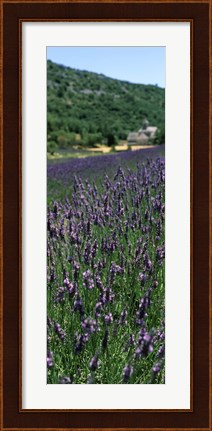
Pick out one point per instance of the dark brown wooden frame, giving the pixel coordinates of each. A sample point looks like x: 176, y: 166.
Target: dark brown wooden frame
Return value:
x: 12, y: 14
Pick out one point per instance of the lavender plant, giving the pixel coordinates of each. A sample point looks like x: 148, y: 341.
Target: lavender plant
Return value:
x: 105, y: 278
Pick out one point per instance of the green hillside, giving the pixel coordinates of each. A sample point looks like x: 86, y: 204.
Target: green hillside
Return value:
x: 86, y: 108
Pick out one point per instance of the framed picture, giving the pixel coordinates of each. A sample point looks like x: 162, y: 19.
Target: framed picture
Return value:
x: 97, y: 150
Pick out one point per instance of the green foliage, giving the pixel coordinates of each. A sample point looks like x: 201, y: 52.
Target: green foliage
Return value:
x: 90, y: 139
x: 51, y: 147
x: 95, y: 106
x: 111, y: 140
x: 160, y: 136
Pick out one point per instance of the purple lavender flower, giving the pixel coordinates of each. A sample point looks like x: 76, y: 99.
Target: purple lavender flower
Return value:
x: 149, y: 265
x: 156, y: 368
x: 89, y: 325
x: 53, y: 276
x: 161, y: 351
x: 145, y: 344
x: 94, y: 363
x: 132, y: 340
x: 142, y: 277
x: 88, y: 280
x: 123, y: 317
x: 70, y: 259
x: 160, y: 254
x: 66, y: 282
x: 78, y: 306
x: 115, y: 269
x: 80, y: 341
x: 127, y: 373
x: 98, y: 281
x: 50, y: 362
x: 72, y: 289
x: 76, y: 270
x: 107, y: 296
x: 60, y: 295
x: 98, y: 309
x: 108, y: 319
x: 59, y: 331
x: 141, y: 313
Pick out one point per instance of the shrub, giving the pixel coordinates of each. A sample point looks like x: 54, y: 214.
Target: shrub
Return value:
x: 51, y: 147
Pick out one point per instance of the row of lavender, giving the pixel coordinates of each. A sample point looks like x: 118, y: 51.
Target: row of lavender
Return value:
x: 65, y: 170
x: 106, y: 291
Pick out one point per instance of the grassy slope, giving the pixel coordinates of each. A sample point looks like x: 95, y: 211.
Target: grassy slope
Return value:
x: 95, y: 106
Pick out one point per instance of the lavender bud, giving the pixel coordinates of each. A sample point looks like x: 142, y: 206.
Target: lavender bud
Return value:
x: 128, y: 370
x: 108, y: 319
x: 156, y: 368
x: 123, y: 317
x: 89, y: 325
x: 50, y: 362
x: 93, y: 363
x: 65, y: 380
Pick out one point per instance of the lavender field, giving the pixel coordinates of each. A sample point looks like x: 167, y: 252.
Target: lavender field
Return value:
x: 106, y: 269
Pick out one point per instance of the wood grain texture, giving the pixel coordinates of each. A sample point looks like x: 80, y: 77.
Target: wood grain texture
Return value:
x: 107, y: 1
x: 1, y: 218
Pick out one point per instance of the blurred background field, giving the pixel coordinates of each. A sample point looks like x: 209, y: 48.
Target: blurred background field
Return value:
x: 61, y: 171
x: 78, y: 152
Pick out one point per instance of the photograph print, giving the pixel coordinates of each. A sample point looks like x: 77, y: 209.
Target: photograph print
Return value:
x: 106, y: 215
